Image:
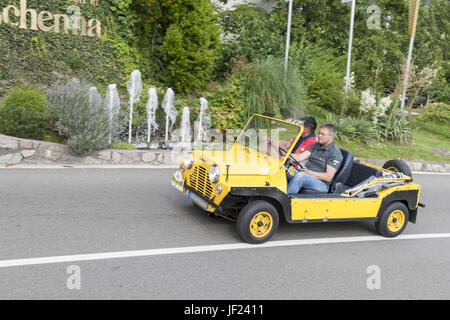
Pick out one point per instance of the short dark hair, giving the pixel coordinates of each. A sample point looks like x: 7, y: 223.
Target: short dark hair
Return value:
x: 331, y: 127
x: 310, y: 123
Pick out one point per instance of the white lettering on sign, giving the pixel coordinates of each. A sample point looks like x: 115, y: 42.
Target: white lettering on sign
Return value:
x: 26, y: 18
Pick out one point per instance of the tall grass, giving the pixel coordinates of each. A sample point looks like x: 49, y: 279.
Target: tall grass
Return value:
x: 267, y: 88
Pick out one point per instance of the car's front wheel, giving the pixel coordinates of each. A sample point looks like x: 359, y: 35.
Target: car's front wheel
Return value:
x: 393, y: 220
x: 257, y: 222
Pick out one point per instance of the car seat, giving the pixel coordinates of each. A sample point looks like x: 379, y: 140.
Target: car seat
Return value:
x: 343, y: 172
x: 341, y: 175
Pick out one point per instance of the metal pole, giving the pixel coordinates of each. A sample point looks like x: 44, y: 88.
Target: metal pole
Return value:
x: 408, y: 64
x: 349, y: 56
x: 288, y: 37
x: 412, y: 25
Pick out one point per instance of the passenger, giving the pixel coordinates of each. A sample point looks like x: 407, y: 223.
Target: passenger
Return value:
x: 307, y: 139
x: 324, y: 159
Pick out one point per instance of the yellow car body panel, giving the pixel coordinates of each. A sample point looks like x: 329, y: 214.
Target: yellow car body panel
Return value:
x: 325, y: 209
x: 249, y: 174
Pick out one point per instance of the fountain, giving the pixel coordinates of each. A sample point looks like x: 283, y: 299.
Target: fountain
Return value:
x: 203, y: 121
x: 94, y: 97
x: 152, y: 105
x: 185, y: 130
x: 113, y: 104
x: 134, y: 88
x: 171, y: 114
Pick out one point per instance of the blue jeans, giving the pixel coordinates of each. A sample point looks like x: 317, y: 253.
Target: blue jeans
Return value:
x: 303, y: 180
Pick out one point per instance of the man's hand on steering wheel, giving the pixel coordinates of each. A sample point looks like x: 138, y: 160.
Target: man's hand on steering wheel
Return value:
x: 291, y: 160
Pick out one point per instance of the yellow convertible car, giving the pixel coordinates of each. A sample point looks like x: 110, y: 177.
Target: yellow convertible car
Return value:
x: 247, y: 184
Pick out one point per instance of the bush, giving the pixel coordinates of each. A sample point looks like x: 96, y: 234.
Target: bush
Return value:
x: 23, y: 113
x: 352, y: 129
x: 79, y: 116
x: 434, y: 119
x: 394, y: 125
x: 228, y: 109
x: 439, y: 112
x: 324, y: 74
x: 249, y: 31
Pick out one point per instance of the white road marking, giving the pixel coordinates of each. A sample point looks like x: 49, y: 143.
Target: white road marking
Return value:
x: 208, y: 248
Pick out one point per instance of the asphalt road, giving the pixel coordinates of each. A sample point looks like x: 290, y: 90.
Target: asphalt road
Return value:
x: 60, y: 212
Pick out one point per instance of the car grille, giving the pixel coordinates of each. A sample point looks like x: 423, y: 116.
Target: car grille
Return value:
x: 199, y: 180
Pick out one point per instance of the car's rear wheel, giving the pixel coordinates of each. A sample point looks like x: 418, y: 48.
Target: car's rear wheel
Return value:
x: 257, y: 222
x: 397, y: 165
x: 393, y: 220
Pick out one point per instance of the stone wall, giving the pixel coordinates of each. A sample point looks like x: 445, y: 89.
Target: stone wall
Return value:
x: 22, y: 151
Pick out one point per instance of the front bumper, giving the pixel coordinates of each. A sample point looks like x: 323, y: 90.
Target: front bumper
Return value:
x: 179, y: 183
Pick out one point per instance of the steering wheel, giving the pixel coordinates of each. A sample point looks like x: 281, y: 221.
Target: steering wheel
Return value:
x: 291, y: 160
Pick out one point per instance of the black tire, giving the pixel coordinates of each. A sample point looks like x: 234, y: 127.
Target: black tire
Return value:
x: 257, y: 222
x: 397, y: 165
x: 389, y: 225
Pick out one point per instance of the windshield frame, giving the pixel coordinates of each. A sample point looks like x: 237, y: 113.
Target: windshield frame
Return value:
x: 279, y: 120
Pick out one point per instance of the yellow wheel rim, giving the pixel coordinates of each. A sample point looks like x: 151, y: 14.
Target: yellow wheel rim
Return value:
x: 396, y: 220
x: 261, y: 224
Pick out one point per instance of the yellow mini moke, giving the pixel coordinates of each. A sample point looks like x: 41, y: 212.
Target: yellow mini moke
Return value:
x: 247, y: 184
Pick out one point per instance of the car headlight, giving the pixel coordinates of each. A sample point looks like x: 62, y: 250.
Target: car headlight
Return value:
x: 189, y: 160
x: 177, y: 176
x: 214, y: 173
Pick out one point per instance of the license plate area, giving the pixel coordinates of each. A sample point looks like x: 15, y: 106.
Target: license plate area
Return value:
x: 199, y: 201
x: 177, y: 184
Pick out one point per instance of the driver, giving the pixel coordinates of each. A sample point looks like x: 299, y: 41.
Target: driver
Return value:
x: 324, y: 159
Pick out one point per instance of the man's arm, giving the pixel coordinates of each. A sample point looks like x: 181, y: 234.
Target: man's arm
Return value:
x: 332, y: 165
x: 326, y: 176
x: 301, y: 156
x: 285, y: 144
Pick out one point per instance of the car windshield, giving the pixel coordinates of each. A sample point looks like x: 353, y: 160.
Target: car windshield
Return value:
x: 267, y: 135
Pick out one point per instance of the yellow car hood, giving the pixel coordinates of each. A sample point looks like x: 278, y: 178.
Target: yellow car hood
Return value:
x: 240, y: 162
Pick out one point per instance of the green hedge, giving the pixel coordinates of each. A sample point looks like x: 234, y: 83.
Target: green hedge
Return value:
x: 23, y: 113
x: 438, y: 112
x: 35, y: 56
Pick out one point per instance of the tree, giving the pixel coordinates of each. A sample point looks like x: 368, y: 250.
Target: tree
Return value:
x: 182, y: 37
x: 377, y: 53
